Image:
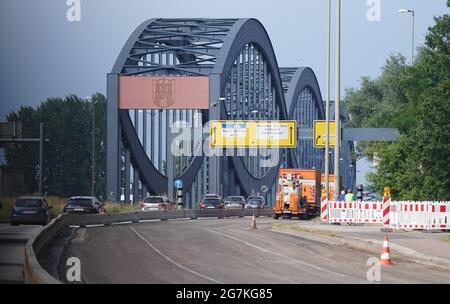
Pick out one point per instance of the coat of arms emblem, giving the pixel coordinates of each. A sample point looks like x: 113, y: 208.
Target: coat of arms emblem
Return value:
x: 164, y: 92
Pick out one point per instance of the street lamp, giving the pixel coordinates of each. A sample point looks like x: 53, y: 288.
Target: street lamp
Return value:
x: 405, y: 11
x: 337, y: 102
x: 327, y: 105
x: 91, y: 100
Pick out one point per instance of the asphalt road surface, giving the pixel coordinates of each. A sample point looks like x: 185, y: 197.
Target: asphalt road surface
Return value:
x: 226, y: 251
x: 12, y: 244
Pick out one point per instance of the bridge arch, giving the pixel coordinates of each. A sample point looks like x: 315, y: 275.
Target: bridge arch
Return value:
x: 239, y: 60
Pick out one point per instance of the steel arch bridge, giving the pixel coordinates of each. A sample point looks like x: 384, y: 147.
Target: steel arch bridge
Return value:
x: 245, y: 83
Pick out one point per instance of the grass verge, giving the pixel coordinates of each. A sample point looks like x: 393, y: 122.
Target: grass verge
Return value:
x: 296, y: 227
x: 445, y: 238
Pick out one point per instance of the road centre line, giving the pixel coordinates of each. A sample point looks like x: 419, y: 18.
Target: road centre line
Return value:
x: 174, y: 262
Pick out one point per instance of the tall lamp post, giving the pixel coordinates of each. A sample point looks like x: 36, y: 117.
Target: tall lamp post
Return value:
x: 327, y: 107
x: 91, y: 100
x: 337, y: 117
x: 405, y: 11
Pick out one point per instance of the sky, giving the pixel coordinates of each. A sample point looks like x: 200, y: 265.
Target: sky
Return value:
x: 44, y: 55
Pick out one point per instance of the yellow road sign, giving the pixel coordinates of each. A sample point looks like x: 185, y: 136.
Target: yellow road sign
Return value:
x: 320, y: 133
x: 253, y: 134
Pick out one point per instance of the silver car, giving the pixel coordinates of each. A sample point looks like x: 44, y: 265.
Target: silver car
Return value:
x: 234, y: 202
x: 155, y: 203
x: 255, y: 202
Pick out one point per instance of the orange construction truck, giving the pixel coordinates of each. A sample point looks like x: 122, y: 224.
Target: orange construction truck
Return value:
x: 298, y: 193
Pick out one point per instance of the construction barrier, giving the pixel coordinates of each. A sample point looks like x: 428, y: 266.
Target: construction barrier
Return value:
x: 391, y: 214
x: 440, y: 216
x: 386, y: 211
x: 343, y: 212
x: 324, y: 210
x: 370, y: 212
x: 410, y: 215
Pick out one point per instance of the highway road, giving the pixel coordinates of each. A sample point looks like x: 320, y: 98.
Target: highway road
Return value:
x: 12, y: 243
x: 226, y: 251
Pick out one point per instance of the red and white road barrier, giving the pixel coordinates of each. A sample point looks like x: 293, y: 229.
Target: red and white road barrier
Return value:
x: 440, y: 216
x: 391, y: 214
x: 370, y: 212
x: 356, y: 212
x: 386, y: 211
x: 324, y: 210
x: 343, y: 212
x: 410, y: 215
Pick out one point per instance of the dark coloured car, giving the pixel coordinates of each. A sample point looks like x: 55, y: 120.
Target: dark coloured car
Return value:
x: 32, y: 210
x: 211, y: 201
x: 255, y: 202
x: 84, y: 205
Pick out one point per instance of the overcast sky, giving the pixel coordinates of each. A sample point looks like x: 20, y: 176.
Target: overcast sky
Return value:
x: 44, y: 55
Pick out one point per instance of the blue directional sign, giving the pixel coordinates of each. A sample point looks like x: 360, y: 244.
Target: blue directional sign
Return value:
x: 178, y: 183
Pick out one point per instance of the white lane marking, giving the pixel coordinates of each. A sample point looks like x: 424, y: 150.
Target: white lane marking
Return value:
x: 174, y: 262
x: 277, y: 254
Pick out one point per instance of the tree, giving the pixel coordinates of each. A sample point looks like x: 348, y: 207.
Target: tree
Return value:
x: 417, y: 101
x: 67, y: 156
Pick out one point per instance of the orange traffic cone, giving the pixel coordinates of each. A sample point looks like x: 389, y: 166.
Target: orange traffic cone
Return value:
x: 253, y: 224
x: 386, y: 255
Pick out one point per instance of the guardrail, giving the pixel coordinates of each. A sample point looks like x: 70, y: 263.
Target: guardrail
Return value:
x: 34, y: 273
x: 84, y: 220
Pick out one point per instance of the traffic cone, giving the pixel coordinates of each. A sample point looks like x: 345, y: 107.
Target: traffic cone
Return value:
x: 253, y: 224
x: 386, y: 255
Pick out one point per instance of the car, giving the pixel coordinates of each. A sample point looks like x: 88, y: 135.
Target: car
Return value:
x: 84, y: 205
x: 234, y: 202
x: 211, y: 195
x: 155, y: 203
x: 32, y: 210
x: 255, y: 202
x: 212, y: 201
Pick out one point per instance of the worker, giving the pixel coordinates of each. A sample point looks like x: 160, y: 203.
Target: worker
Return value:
x: 342, y: 196
x: 286, y: 194
x: 350, y: 197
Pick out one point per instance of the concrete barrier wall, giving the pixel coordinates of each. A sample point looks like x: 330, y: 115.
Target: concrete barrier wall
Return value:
x: 34, y: 273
